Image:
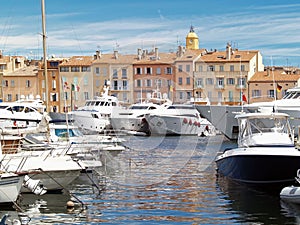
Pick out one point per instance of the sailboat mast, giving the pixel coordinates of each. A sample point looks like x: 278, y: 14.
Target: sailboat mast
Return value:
x: 45, y: 55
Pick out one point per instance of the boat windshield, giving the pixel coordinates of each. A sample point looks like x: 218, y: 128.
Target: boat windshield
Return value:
x: 264, y: 125
x: 63, y: 132
x: 139, y: 107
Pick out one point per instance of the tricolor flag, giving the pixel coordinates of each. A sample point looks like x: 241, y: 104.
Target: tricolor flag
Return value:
x: 75, y: 88
x: 66, y: 87
x: 279, y: 87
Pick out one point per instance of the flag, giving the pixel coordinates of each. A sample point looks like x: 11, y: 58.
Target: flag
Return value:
x: 171, y: 88
x: 244, y: 98
x: 75, y: 88
x: 279, y: 87
x: 66, y: 87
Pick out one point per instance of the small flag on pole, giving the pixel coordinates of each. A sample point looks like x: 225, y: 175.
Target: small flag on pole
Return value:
x: 66, y: 87
x: 75, y: 88
x: 279, y: 87
x: 244, y: 98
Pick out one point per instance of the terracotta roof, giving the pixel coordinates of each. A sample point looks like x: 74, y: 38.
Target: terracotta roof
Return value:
x: 236, y: 56
x: 121, y: 59
x: 164, y: 58
x: 191, y: 54
x: 278, y: 76
x: 78, y: 61
x: 25, y: 71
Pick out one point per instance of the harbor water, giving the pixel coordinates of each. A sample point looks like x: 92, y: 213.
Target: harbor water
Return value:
x: 160, y: 180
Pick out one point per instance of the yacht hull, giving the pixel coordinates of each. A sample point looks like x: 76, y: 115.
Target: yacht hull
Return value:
x: 10, y: 187
x: 260, y: 168
x: 174, y: 125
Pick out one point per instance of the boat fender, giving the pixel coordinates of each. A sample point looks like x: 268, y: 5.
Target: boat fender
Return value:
x: 185, y: 120
x: 190, y: 122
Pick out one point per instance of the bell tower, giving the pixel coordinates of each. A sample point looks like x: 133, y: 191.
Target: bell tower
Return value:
x: 192, y: 40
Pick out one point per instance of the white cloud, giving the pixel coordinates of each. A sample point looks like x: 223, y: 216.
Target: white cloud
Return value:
x: 269, y: 29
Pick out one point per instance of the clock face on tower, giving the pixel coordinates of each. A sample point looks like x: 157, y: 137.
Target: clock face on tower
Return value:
x: 191, y: 41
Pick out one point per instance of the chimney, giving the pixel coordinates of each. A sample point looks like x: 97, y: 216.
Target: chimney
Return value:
x: 228, y: 51
x: 139, y: 53
x: 98, y: 55
x: 156, y: 53
x: 116, y: 54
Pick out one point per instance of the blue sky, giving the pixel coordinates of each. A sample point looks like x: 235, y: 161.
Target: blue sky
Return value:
x: 76, y: 27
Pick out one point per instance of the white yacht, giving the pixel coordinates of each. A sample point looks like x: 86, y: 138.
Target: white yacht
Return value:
x: 265, y: 154
x: 179, y: 119
x: 132, y: 120
x: 26, y: 112
x: 10, y: 187
x: 95, y: 115
x: 223, y: 116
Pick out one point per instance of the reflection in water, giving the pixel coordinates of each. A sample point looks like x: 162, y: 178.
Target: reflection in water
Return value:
x: 254, y: 204
x: 163, y: 181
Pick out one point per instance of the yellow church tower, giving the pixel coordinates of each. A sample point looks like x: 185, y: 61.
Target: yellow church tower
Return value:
x: 192, y: 40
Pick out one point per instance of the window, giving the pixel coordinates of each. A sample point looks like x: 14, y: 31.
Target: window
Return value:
x: 75, y: 69
x: 211, y: 68
x: 148, y: 83
x: 180, y: 68
x: 139, y: 71
x: 5, y: 83
x: 115, y: 74
x: 85, y: 81
x: 97, y: 71
x: 200, y: 68
x: 86, y: 95
x: 199, y: 82
x: 180, y: 80
x: 221, y: 68
x: 158, y: 70
x: 53, y: 84
x: 188, y: 68
x: 256, y: 93
x: 17, y: 97
x: 97, y: 83
x: 242, y: 82
x: 168, y: 70
x: 138, y: 83
x: 159, y: 83
x: 53, y: 64
x: 188, y: 95
x: 115, y: 85
x: 188, y: 80
x: 104, y: 71
x: 125, y: 85
x: 242, y: 67
x: 181, y: 95
x: 9, y: 97
x: 64, y: 69
x: 220, y: 96
x: 271, y: 93
x: 220, y: 82
x: 231, y: 68
x: 86, y: 69
x: 209, y: 81
x: 27, y: 83
x: 148, y: 70
x: 230, y: 96
x: 124, y: 73
x: 230, y: 81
